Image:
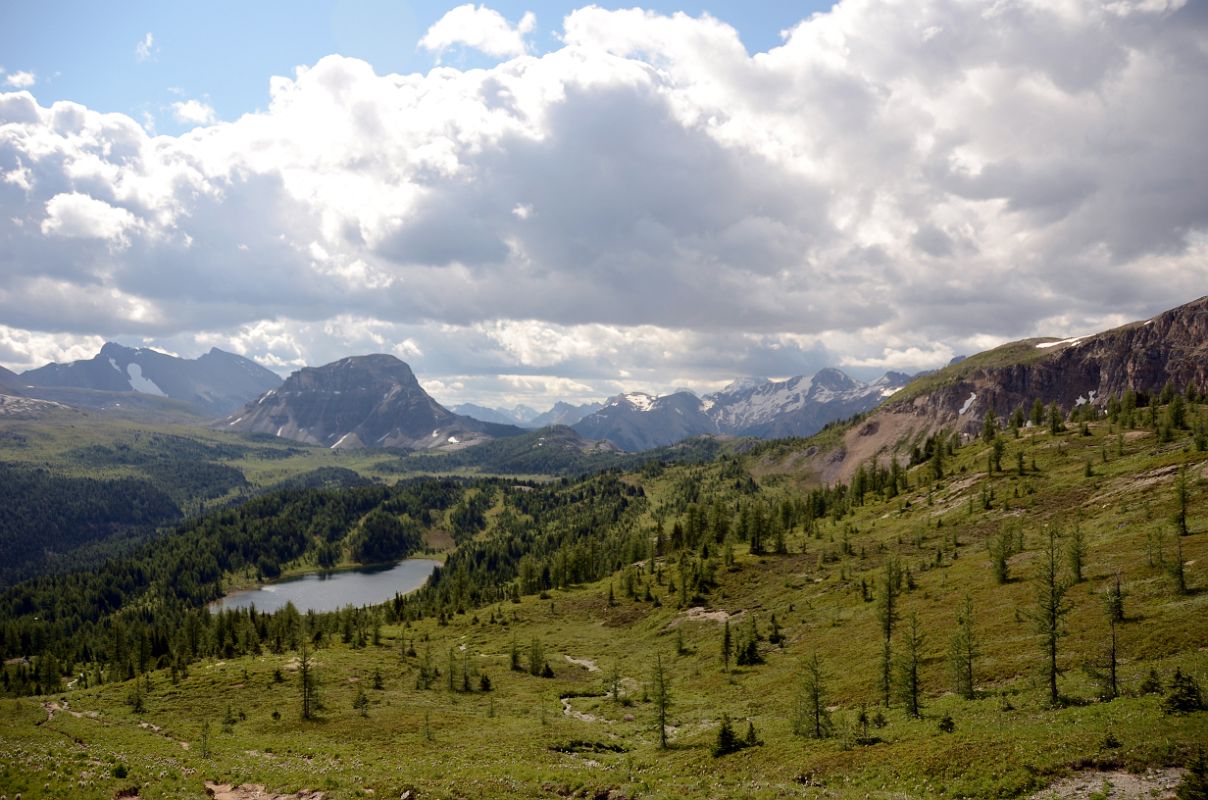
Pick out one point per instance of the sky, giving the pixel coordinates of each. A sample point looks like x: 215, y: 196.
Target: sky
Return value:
x: 538, y: 201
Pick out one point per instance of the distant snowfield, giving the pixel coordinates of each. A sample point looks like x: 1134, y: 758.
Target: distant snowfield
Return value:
x: 1074, y: 340
x: 968, y: 403
x: 641, y: 401
x: 142, y: 384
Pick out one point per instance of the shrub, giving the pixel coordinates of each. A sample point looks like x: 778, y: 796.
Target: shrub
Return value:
x: 1184, y: 695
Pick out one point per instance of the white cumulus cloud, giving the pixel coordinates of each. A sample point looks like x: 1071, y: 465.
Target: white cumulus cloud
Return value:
x: 20, y: 80
x: 647, y: 203
x: 193, y: 112
x: 78, y: 216
x: 481, y: 28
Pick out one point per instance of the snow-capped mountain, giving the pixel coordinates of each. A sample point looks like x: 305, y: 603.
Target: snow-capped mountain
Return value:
x: 639, y: 421
x: 361, y: 401
x: 798, y: 406
x: 212, y: 385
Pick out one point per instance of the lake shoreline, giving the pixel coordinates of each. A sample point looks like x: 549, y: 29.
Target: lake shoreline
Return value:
x: 361, y: 585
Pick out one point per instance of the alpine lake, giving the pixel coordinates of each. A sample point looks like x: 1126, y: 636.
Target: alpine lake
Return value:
x: 333, y: 590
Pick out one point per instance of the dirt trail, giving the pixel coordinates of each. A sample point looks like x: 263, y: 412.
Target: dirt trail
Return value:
x: 252, y: 791
x: 569, y: 711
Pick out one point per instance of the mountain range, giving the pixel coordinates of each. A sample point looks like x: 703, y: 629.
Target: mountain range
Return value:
x: 376, y: 401
x: 798, y: 406
x: 210, y: 386
x: 561, y: 413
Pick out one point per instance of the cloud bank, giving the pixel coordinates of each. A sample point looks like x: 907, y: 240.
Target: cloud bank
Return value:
x: 646, y: 206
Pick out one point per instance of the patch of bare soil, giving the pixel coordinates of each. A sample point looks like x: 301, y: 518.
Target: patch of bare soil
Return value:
x: 252, y: 791
x: 700, y: 614
x: 585, y: 663
x: 1134, y: 483
x: 1154, y: 784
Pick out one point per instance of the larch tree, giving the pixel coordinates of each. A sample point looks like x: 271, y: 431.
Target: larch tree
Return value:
x: 662, y: 699
x: 1052, y: 606
x: 962, y: 650
x: 887, y: 614
x: 812, y: 718
x: 307, y: 682
x: 908, y: 667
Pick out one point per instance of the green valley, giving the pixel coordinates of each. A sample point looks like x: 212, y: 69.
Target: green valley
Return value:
x: 570, y: 615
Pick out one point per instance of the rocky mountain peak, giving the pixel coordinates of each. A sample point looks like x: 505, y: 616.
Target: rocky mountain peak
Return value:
x: 361, y: 401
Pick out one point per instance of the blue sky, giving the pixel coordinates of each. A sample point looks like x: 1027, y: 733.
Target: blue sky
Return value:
x: 223, y: 53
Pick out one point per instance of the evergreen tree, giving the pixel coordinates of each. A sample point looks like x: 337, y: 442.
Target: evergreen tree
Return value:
x: 1002, y: 547
x: 662, y: 700
x: 1037, y: 415
x: 1076, y: 554
x: 989, y: 426
x: 306, y: 682
x: 1051, y: 608
x: 909, y: 666
x: 1181, y: 497
x: 727, y: 742
x: 1184, y: 695
x: 812, y: 718
x: 963, y: 650
x: 1111, y: 686
x: 1177, y: 574
x: 727, y: 644
x: 1056, y: 419
x: 887, y: 614
x: 536, y: 657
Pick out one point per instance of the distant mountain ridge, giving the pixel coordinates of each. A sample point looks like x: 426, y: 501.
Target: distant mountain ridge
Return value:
x: 361, y: 401
x: 1143, y: 356
x: 798, y: 406
x: 560, y: 413
x: 9, y: 379
x: 211, y: 385
x: 564, y: 414
x: 639, y: 421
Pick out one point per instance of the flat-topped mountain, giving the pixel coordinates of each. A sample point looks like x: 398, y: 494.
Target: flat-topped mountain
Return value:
x: 212, y: 385
x: 360, y: 401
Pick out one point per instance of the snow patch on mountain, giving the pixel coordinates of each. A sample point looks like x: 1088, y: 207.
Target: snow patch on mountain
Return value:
x: 639, y: 400
x: 1073, y: 341
x: 139, y: 383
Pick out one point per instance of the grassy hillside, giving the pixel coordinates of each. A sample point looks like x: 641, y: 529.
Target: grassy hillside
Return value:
x: 237, y: 720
